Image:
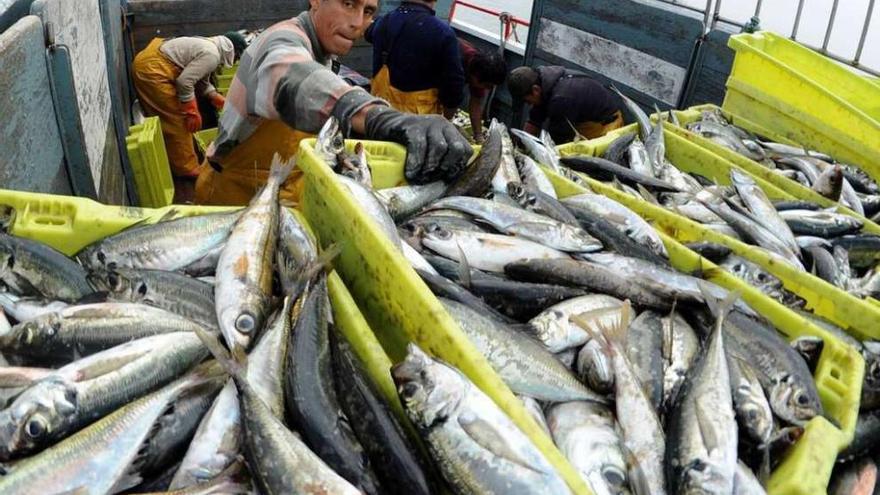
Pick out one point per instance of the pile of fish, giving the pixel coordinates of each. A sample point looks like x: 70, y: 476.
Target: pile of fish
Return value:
x: 111, y: 387
x: 831, y: 241
x: 647, y: 379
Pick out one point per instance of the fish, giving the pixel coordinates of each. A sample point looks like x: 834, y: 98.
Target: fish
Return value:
x: 83, y: 330
x: 312, y: 405
x: 644, y: 343
x: 587, y: 436
x: 863, y: 249
x: 642, y: 432
x: 32, y: 268
x: 745, y: 482
x: 701, y: 448
x: 279, y: 460
x: 637, y: 113
x: 490, y: 252
x: 526, y: 367
x: 330, y: 142
x: 101, y: 458
x: 88, y: 389
x: 373, y: 207
x: 754, y: 275
x: 762, y: 209
x: 295, y: 251
x: 821, y: 223
x: 614, y: 237
x: 554, y: 328
x: 475, y: 444
x: 356, y: 166
x: 444, y: 287
x: 477, y: 178
x: 397, y: 462
x: 22, y: 309
x: 680, y: 347
x: 507, y: 172
x: 638, y: 159
x: 627, y: 220
x: 752, y: 408
x: 602, y: 169
x: 618, y: 149
x: 524, y: 224
x: 594, y: 367
x: 710, y: 250
x: 171, y: 291
x: 403, y: 201
x: 167, y: 245
x: 242, y: 294
x: 830, y: 183
x: 542, y: 154
x: 532, y: 176
x: 537, y: 202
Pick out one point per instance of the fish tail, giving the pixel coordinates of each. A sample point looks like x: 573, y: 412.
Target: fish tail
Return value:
x: 608, y: 336
x: 281, y: 168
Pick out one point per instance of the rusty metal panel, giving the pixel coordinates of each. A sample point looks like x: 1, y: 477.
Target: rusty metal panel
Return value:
x: 32, y: 157
x: 168, y: 18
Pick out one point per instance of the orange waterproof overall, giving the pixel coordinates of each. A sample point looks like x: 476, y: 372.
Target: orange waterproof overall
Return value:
x: 154, y: 80
x: 245, y: 170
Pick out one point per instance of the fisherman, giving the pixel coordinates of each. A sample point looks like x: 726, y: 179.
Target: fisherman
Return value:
x: 168, y: 75
x: 483, y: 71
x: 285, y: 91
x: 417, y: 66
x: 564, y: 101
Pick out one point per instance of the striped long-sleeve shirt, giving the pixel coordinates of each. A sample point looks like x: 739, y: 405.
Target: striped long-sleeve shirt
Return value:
x: 285, y: 75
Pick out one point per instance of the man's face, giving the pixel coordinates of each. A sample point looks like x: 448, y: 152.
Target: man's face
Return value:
x: 534, y: 97
x: 475, y: 82
x: 339, y: 23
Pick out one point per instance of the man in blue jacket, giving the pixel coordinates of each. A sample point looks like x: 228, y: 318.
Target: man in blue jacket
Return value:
x: 417, y: 66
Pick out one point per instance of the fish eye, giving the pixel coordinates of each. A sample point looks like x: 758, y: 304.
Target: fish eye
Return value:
x: 102, y: 258
x: 35, y: 427
x: 142, y: 289
x: 802, y: 399
x: 613, y: 476
x: 26, y: 335
x: 409, y: 389
x: 753, y: 415
x: 114, y: 280
x: 245, y: 323
x: 762, y: 277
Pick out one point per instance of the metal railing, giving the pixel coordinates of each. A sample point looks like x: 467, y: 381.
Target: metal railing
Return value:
x: 712, y: 16
x: 508, y: 22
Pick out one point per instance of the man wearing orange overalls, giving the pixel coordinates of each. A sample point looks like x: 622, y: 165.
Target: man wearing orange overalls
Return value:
x: 285, y: 90
x: 167, y: 75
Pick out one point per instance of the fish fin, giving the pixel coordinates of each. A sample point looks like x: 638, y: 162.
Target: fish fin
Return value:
x: 707, y: 432
x: 96, y: 297
x: 647, y: 195
x: 490, y: 438
x: 765, y: 467
x: 718, y: 307
x: 464, y: 268
x: 608, y: 336
x: 319, y: 264
x: 281, y: 168
x: 810, y: 348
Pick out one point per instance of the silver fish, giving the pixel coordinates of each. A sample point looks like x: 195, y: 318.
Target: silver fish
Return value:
x: 477, y: 447
x: 490, y: 252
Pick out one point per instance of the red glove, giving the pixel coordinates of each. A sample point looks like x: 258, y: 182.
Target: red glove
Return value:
x: 217, y: 100
x: 192, y: 119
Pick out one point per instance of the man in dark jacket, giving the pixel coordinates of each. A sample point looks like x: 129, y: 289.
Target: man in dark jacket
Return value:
x: 564, y: 101
x: 416, y: 61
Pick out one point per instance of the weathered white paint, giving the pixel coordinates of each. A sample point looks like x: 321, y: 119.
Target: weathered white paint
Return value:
x: 638, y: 70
x: 78, y: 27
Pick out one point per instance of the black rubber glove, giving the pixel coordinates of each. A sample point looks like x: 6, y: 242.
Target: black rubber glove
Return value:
x: 435, y: 150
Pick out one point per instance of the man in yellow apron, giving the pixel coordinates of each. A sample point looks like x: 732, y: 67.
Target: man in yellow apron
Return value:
x: 284, y: 91
x: 167, y: 76
x: 417, y: 66
x: 562, y: 99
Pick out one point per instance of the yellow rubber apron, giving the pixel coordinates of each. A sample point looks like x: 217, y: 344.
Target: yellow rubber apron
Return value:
x: 422, y: 102
x: 593, y: 130
x: 244, y: 171
x: 154, y: 80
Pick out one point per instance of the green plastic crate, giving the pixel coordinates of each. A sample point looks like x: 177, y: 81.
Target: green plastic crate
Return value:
x: 753, y: 168
x: 401, y: 308
x: 205, y: 138
x: 805, y: 97
x: 859, y: 317
x: 149, y: 162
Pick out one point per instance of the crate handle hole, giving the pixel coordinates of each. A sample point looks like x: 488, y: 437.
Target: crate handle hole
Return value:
x: 50, y: 221
x: 835, y: 373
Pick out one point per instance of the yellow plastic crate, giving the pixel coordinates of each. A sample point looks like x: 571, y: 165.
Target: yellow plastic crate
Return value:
x: 805, y: 97
x: 149, y: 162
x: 69, y: 223
x: 807, y: 467
x: 205, y: 138
x: 753, y: 168
x: 857, y: 316
x: 402, y: 309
